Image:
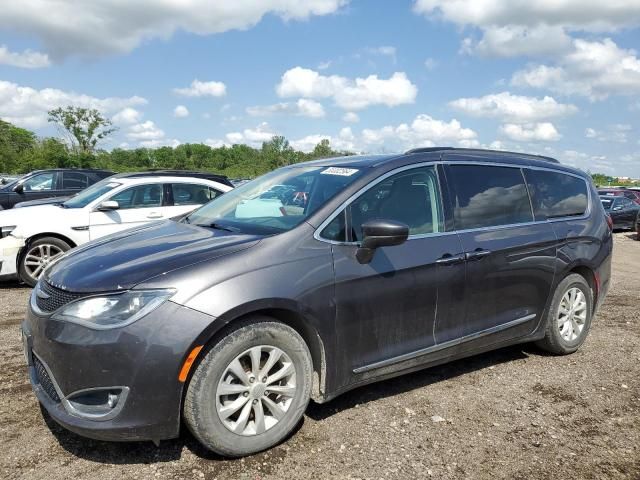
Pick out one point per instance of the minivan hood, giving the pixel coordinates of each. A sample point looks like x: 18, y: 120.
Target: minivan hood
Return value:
x: 124, y: 260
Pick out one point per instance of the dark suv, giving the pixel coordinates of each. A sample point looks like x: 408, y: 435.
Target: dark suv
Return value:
x: 233, y: 317
x: 42, y: 184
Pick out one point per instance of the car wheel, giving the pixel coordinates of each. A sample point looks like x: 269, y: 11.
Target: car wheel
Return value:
x: 569, y: 317
x: 250, y: 389
x: 37, y: 256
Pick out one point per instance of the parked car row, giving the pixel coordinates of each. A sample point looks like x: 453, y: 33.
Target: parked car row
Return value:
x: 307, y: 282
x: 624, y: 213
x: 632, y: 193
x: 33, y: 236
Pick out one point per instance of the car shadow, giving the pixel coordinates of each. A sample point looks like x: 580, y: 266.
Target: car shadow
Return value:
x: 12, y: 284
x: 422, y: 378
x: 170, y: 450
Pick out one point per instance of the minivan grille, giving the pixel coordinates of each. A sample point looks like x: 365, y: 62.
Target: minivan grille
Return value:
x: 54, y: 298
x: 44, y: 380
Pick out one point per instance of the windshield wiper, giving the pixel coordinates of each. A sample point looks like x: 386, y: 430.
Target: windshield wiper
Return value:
x: 219, y: 226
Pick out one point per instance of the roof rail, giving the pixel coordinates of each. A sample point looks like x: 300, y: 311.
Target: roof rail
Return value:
x: 521, y: 154
x: 427, y: 149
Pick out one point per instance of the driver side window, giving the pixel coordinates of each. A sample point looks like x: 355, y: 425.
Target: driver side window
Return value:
x: 411, y: 197
x: 39, y: 183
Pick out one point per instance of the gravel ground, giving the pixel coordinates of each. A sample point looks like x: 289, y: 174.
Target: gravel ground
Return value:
x: 516, y: 413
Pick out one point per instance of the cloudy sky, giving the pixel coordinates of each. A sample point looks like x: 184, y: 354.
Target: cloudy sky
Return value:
x: 557, y: 77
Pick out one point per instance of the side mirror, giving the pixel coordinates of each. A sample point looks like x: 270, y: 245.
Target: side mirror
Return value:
x: 19, y: 188
x: 108, y: 205
x: 380, y: 233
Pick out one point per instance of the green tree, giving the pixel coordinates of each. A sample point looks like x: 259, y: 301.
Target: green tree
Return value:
x: 83, y: 127
x: 323, y: 149
x: 15, y: 143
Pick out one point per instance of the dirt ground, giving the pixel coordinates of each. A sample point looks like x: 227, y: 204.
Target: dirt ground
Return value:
x: 516, y: 413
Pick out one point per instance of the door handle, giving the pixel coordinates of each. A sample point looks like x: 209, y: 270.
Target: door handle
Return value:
x: 477, y: 254
x: 154, y: 215
x: 448, y: 259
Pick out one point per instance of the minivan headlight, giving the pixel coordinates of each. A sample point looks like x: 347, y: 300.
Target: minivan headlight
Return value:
x: 112, y: 311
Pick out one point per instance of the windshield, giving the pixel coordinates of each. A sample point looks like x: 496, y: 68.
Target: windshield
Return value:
x: 88, y: 195
x: 606, y: 203
x: 275, y: 202
x: 11, y: 182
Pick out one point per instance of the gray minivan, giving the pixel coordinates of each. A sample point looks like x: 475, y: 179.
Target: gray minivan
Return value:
x: 310, y: 281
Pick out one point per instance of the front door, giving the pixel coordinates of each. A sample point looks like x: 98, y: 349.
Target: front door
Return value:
x: 136, y: 206
x: 42, y: 185
x: 386, y: 310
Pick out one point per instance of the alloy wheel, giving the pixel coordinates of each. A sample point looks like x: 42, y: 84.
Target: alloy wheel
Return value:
x: 572, y: 314
x: 256, y: 390
x: 38, y: 257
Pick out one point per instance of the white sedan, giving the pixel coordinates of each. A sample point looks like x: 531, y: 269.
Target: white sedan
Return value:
x: 31, y: 237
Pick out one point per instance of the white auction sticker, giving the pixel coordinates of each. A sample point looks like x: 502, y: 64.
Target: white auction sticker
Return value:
x: 344, y: 172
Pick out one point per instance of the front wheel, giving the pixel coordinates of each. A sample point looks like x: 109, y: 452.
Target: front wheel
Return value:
x: 250, y: 390
x: 38, y: 256
x: 569, y: 317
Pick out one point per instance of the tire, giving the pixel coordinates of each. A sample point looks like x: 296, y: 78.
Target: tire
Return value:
x: 203, y: 400
x: 558, y: 339
x: 47, y: 249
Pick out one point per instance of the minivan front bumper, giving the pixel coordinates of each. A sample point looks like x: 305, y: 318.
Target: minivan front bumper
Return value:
x: 119, y: 384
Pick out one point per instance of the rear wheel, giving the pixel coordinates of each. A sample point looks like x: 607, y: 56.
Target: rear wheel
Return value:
x: 250, y: 390
x: 38, y: 256
x: 569, y: 317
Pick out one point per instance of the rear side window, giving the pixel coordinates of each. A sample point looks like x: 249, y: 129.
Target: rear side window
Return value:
x: 141, y: 196
x: 488, y: 196
x: 556, y: 194
x: 192, y: 194
x: 74, y: 181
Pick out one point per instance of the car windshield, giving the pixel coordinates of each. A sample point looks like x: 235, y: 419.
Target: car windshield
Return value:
x: 11, y: 182
x: 275, y: 202
x: 90, y: 194
x: 606, y: 202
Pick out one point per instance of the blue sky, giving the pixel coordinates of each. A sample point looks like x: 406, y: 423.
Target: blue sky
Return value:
x: 561, y: 78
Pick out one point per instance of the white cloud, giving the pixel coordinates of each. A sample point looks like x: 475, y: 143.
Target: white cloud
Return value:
x: 127, y: 116
x: 513, y: 108
x: 180, y: 111
x: 424, y: 131
x: 592, y: 69
x: 385, y: 51
x: 28, y: 107
x: 252, y: 136
x: 310, y: 108
x: 216, y: 143
x: 344, y: 141
x: 324, y: 65
x: 164, y: 142
x: 98, y: 27
x: 522, y: 27
x: 145, y: 131
x: 590, y: 15
x: 516, y: 40
x: 26, y: 59
x: 202, y: 89
x: 535, y: 132
x: 351, y: 117
x: 303, y: 107
x: 430, y: 63
x: 349, y: 94
x: 613, y: 133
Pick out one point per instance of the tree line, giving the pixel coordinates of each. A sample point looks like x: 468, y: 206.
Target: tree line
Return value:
x: 22, y: 151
